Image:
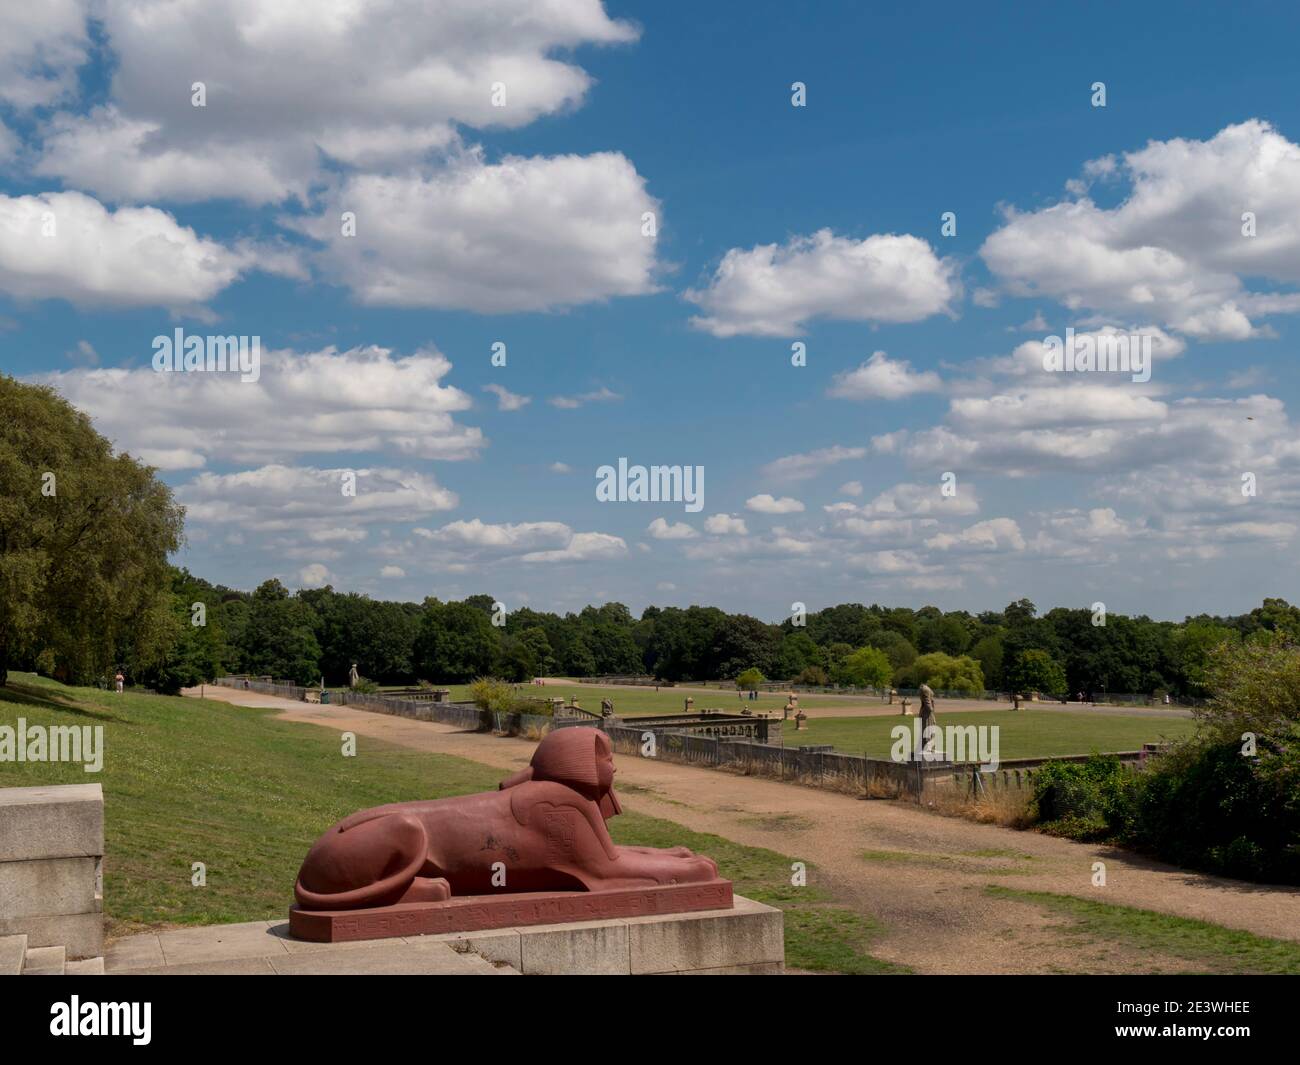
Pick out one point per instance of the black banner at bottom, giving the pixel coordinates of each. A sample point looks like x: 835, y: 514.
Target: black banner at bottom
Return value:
x: 334, y: 1014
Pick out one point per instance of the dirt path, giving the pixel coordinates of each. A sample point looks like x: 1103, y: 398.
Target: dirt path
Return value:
x: 923, y: 876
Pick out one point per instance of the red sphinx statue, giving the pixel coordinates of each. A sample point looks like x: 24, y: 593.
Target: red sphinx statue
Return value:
x: 543, y: 830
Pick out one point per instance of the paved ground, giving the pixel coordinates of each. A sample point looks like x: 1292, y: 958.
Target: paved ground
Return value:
x: 262, y: 948
x: 925, y: 875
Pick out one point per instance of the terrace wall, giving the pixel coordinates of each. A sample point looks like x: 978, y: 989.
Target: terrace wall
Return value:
x: 832, y: 770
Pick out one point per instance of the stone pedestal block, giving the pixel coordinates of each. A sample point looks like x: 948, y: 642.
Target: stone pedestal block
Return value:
x: 51, y: 855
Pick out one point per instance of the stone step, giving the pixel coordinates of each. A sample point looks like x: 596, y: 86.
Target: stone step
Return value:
x: 45, y: 961
x: 13, y: 950
x: 85, y: 967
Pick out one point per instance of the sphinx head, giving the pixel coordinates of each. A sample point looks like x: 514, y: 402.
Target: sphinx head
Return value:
x: 579, y: 758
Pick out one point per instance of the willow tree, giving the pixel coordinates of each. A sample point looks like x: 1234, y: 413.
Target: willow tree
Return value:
x: 84, y: 539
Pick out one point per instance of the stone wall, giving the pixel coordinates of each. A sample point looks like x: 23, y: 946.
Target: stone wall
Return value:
x: 461, y: 715
x: 51, y: 867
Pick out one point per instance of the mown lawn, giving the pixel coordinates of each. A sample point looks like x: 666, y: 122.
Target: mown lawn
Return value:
x: 188, y: 780
x: 1022, y: 733
x: 1028, y: 733
x: 630, y: 701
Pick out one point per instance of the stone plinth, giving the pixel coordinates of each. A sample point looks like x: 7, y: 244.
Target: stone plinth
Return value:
x: 746, y: 938
x: 473, y: 913
x: 51, y: 859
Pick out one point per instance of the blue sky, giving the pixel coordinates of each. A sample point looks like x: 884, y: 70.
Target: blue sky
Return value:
x: 775, y: 224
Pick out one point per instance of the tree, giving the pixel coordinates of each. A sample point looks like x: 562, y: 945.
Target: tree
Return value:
x: 1021, y: 612
x: 949, y: 633
x: 850, y: 623
x: 515, y: 660
x: 195, y: 649
x: 898, y: 649
x: 534, y: 638
x: 455, y: 643
x: 866, y: 667
x: 988, y: 653
x: 798, y: 652
x: 377, y: 636
x: 750, y: 679
x: 741, y: 642
x: 946, y: 673
x: 280, y: 639
x: 1256, y: 686
x: 84, y: 540
x: 836, y: 653
x: 683, y: 641
x: 578, y: 659
x: 1035, y: 670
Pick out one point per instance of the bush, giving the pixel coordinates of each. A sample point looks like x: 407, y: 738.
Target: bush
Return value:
x: 365, y: 687
x: 1214, y: 809
x: 1198, y: 806
x: 812, y: 677
x: 491, y: 693
x: 1214, y: 803
x: 1082, y: 800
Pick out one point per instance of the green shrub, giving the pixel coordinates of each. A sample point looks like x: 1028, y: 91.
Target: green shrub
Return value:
x: 1083, y: 800
x: 812, y: 677
x: 490, y: 693
x: 1213, y: 808
x: 1205, y: 807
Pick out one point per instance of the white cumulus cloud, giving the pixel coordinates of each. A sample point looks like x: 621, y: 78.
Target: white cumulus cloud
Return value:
x: 775, y: 290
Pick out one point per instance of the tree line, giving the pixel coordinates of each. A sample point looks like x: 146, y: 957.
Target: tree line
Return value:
x: 315, y: 634
x: 86, y: 588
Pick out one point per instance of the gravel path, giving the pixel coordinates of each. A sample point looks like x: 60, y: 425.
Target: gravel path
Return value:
x: 921, y: 874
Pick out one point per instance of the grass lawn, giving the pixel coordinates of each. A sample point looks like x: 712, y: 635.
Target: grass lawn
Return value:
x: 188, y: 780
x: 633, y: 702
x: 1205, y: 947
x: 1028, y: 733
x: 1023, y: 733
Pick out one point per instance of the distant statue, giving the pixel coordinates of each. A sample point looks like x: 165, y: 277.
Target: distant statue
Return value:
x: 928, y: 742
x: 607, y: 707
x: 353, y: 676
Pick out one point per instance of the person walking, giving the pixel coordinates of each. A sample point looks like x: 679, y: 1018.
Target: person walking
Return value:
x: 119, y: 680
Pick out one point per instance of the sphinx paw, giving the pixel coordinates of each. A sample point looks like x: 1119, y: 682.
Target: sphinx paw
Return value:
x: 427, y: 889
x: 695, y: 869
